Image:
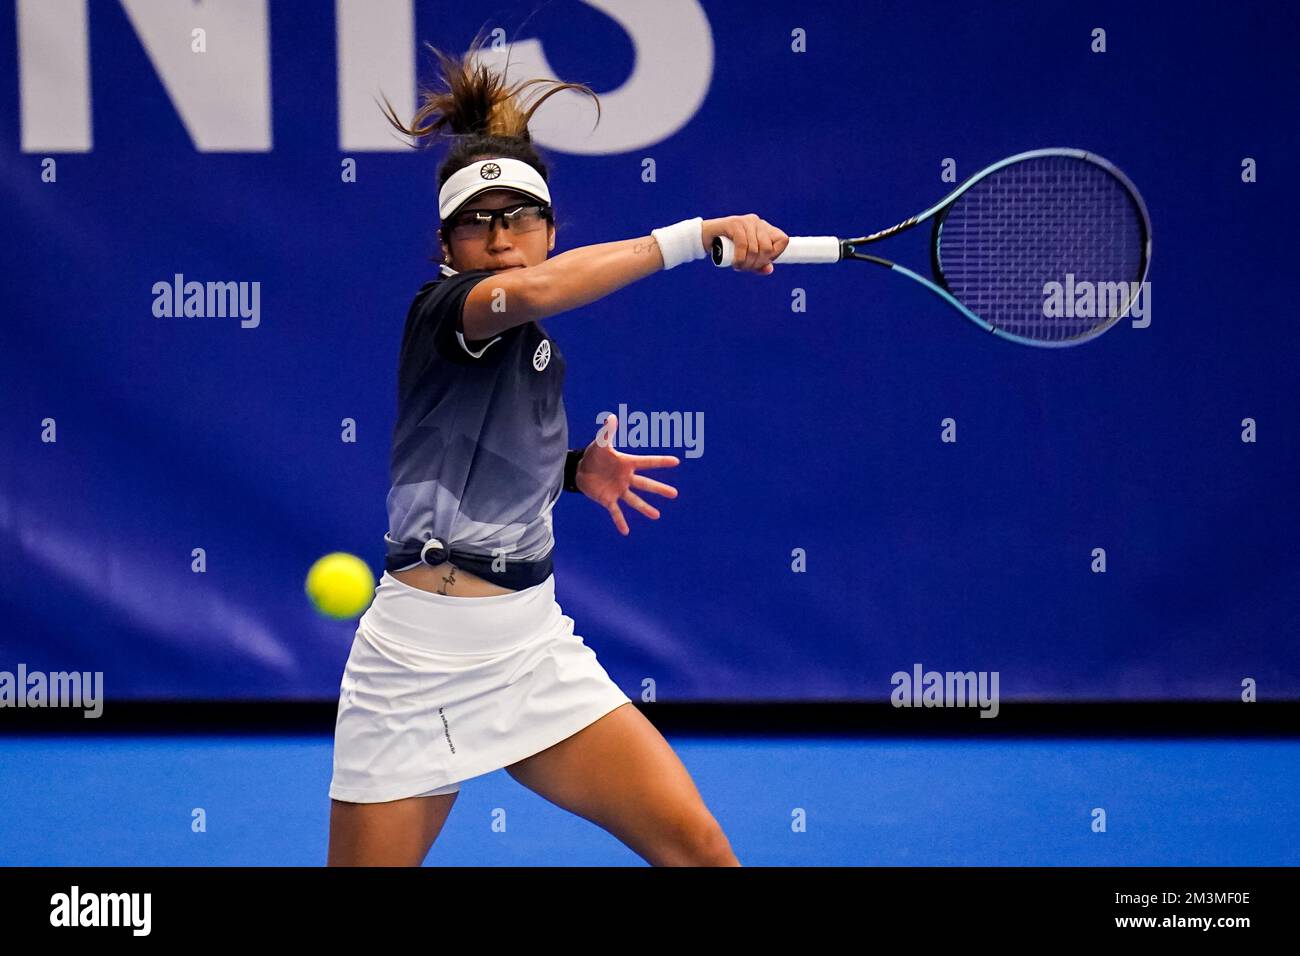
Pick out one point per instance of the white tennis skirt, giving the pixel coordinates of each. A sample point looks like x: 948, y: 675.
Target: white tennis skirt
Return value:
x: 438, y: 689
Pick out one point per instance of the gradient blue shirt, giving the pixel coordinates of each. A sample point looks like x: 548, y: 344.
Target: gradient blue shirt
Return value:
x: 478, y: 450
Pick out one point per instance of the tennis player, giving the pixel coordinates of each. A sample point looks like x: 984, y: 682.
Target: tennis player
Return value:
x: 465, y: 663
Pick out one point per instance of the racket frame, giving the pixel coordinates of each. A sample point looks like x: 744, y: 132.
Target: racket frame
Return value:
x: 849, y: 247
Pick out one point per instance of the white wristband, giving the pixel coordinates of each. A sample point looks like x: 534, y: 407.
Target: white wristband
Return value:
x: 681, y: 242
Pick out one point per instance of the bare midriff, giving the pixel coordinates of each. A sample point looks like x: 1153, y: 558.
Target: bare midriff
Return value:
x: 448, y: 579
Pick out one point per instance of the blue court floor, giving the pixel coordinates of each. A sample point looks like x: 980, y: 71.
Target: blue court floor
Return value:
x: 110, y: 801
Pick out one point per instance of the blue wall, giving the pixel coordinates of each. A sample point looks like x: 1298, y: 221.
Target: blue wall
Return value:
x: 822, y: 428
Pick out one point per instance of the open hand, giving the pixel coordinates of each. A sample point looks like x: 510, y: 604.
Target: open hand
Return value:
x: 607, y: 476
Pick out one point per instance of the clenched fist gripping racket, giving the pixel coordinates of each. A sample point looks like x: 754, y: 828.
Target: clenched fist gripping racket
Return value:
x: 1004, y: 238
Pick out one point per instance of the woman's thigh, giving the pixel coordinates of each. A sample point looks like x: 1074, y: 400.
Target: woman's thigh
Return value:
x: 622, y: 775
x: 393, y: 833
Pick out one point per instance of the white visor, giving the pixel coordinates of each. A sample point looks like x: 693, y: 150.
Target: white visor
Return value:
x: 487, y: 174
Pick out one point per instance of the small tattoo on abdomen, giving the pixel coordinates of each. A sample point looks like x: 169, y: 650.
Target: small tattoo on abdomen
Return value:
x: 450, y: 579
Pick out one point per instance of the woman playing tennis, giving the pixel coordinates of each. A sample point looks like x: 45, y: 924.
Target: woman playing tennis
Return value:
x: 465, y: 663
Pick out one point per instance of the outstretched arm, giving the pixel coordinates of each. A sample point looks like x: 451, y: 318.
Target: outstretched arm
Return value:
x: 580, y: 276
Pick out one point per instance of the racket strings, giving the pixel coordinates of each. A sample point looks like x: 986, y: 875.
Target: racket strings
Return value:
x: 1049, y: 248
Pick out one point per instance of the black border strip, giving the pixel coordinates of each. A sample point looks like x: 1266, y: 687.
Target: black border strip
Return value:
x: 1087, y: 719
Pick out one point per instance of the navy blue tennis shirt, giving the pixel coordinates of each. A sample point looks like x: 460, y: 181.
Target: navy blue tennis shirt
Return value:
x: 479, y: 447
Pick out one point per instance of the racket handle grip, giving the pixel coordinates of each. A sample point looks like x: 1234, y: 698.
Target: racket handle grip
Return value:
x: 799, y: 249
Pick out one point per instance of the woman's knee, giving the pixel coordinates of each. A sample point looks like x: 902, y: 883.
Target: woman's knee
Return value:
x: 697, y: 840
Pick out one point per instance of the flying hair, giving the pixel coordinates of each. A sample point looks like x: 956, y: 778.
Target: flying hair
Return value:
x: 476, y: 101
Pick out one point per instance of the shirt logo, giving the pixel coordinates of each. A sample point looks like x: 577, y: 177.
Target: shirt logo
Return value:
x: 489, y: 170
x: 542, y: 357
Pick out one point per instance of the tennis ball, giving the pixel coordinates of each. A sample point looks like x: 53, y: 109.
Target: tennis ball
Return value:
x: 340, y: 585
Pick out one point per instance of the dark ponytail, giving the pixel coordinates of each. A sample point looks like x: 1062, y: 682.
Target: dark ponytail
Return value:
x: 486, y: 118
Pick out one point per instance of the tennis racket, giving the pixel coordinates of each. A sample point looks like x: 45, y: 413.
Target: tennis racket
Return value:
x: 1005, y: 236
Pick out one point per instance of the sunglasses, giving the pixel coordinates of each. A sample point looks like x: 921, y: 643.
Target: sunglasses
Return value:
x: 478, y: 223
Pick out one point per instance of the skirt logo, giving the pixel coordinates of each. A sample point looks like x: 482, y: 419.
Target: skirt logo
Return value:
x: 446, y: 730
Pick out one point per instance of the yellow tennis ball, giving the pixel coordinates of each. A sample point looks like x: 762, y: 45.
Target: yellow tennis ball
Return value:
x: 340, y: 585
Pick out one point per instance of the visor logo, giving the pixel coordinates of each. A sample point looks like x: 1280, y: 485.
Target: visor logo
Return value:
x: 489, y: 171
